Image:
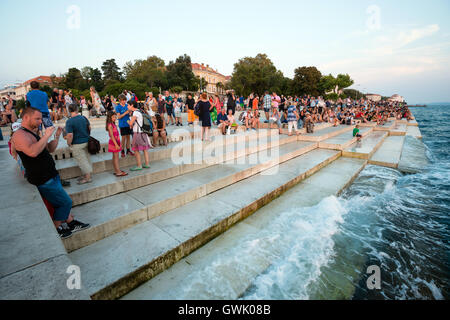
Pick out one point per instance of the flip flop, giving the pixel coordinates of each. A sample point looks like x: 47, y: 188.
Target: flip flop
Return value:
x: 122, y: 174
x: 84, y: 182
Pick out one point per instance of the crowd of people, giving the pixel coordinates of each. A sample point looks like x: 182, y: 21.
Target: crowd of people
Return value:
x: 135, y: 127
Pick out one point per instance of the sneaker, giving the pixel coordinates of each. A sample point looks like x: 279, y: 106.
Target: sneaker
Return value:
x: 136, y: 169
x: 64, y: 233
x: 145, y: 166
x: 65, y: 183
x: 76, y: 226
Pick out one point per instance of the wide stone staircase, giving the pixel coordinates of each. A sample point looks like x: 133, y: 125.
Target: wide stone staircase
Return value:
x: 144, y: 223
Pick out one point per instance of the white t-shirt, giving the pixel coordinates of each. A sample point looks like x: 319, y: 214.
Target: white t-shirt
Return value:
x: 138, y: 123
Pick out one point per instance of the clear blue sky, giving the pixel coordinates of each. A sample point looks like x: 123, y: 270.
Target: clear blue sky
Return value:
x: 386, y: 46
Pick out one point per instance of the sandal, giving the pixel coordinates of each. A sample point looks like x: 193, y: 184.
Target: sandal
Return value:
x: 84, y: 182
x: 122, y: 174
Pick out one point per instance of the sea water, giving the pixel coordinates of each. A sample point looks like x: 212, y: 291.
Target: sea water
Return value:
x: 394, y: 221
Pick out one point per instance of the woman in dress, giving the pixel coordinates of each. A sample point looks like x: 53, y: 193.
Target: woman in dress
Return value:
x: 114, y: 146
x: 97, y: 102
x: 205, y: 115
x: 141, y: 141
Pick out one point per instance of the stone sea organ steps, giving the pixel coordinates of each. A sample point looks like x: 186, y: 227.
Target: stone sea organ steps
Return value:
x: 388, y: 155
x: 389, y: 125
x: 367, y: 147
x: 399, y: 129
x: 113, y: 214
x: 323, y: 134
x: 105, y: 184
x: 68, y: 168
x: 342, y: 141
x: 414, y: 158
x: 173, y: 135
x: 224, y: 257
x: 414, y: 132
x: 119, y: 263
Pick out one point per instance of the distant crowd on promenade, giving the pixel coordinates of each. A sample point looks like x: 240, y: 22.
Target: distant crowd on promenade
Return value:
x: 135, y: 126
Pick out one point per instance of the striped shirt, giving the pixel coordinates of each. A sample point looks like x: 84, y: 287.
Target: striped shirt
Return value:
x: 267, y: 101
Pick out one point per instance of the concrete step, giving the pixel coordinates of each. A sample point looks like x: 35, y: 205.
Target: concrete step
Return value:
x: 344, y: 140
x: 414, y: 158
x: 174, y: 134
x: 327, y: 133
x: 414, y: 131
x: 68, y: 168
x: 388, y: 155
x: 137, y: 254
x: 113, y: 214
x: 399, y: 129
x: 106, y: 184
x: 389, y: 125
x: 367, y: 147
x: 226, y: 262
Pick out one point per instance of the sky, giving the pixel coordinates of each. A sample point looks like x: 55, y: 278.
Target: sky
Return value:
x: 387, y: 47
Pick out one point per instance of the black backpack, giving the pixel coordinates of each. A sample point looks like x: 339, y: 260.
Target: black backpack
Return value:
x: 147, y: 124
x: 197, y: 110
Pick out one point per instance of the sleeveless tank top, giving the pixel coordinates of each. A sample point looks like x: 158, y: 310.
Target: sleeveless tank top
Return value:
x: 40, y: 169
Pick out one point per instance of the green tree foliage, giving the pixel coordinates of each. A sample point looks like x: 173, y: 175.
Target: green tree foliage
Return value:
x: 306, y: 81
x: 255, y: 75
x: 327, y: 84
x: 92, y: 77
x: 151, y: 71
x: 111, y: 71
x: 179, y: 73
x: 117, y: 88
x: 73, y: 79
x: 354, y: 94
x: 176, y: 89
x: 344, y: 81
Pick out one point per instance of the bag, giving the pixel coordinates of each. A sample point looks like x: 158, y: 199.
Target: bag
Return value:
x: 93, y: 144
x: 147, y: 124
x: 197, y: 110
x: 310, y: 127
x: 241, y: 117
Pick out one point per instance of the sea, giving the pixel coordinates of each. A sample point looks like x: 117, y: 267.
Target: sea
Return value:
x: 399, y: 223
x: 386, y: 237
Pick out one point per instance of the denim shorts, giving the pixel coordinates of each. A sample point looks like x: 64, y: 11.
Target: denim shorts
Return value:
x: 46, y: 121
x: 54, y: 193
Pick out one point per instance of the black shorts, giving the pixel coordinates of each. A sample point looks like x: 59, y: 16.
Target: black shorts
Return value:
x: 126, y: 131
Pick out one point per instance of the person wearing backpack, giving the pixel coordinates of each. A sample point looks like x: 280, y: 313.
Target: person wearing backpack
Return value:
x: 141, y: 141
x: 231, y: 102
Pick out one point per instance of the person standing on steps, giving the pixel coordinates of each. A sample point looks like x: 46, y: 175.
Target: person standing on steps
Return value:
x: 34, y: 153
x: 78, y: 132
x: 205, y: 115
x: 141, y: 141
x: 123, y: 115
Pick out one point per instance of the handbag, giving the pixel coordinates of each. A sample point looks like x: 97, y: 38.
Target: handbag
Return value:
x: 93, y: 144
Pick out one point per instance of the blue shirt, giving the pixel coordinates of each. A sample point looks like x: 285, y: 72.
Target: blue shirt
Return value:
x: 291, y: 115
x: 38, y: 100
x: 222, y: 117
x: 123, y: 123
x: 78, y: 127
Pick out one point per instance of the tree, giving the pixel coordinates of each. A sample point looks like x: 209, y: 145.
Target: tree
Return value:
x: 344, y: 81
x: 255, y: 75
x: 73, y: 79
x: 354, y: 94
x: 111, y: 70
x: 306, y: 81
x: 151, y: 71
x: 179, y: 73
x: 327, y: 84
x: 116, y: 88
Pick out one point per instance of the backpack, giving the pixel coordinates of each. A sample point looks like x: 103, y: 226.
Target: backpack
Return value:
x: 310, y: 127
x: 147, y: 124
x: 197, y: 110
x: 241, y: 117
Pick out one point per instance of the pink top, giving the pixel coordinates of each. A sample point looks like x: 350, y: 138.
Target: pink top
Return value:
x: 111, y: 146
